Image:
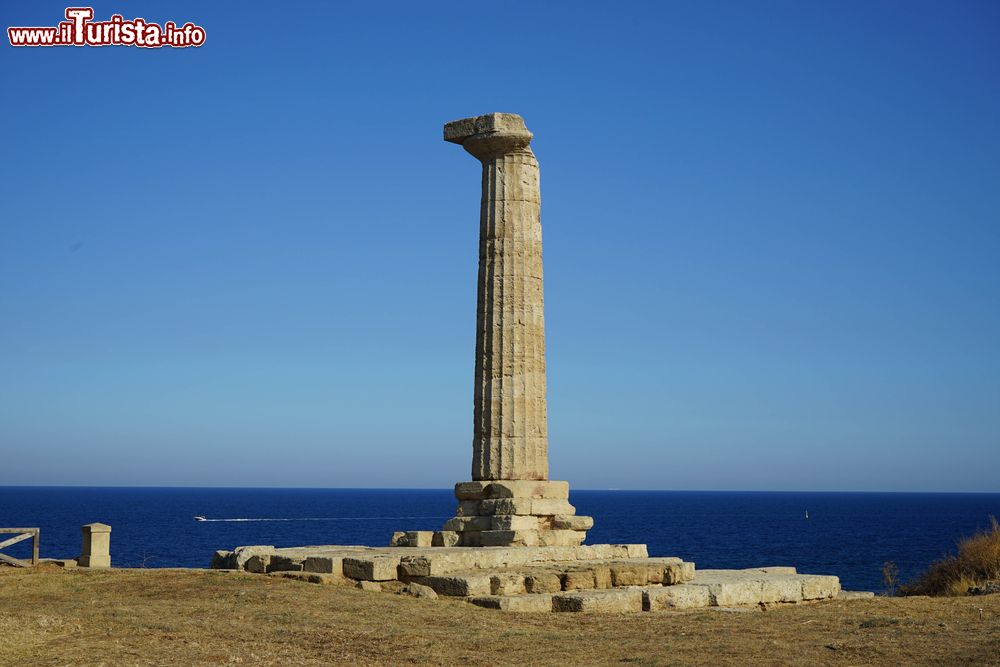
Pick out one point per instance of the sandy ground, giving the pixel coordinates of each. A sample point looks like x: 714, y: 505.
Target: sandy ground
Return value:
x: 161, y: 617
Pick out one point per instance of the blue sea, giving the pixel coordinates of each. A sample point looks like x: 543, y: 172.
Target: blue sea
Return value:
x: 847, y: 534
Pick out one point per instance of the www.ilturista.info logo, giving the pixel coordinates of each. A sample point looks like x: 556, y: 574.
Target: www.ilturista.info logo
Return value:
x: 80, y: 30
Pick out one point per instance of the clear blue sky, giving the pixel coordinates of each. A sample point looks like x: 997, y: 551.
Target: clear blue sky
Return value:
x: 772, y: 244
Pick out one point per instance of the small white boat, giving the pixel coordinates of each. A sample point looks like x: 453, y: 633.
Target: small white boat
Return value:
x: 807, y: 514
x: 199, y: 518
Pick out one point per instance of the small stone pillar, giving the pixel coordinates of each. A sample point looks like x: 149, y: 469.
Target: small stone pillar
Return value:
x: 96, y: 546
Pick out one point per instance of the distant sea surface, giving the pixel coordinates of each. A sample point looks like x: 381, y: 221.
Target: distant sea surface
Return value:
x: 847, y: 534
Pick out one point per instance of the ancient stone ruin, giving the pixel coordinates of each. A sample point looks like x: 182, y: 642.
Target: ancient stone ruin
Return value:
x: 515, y: 542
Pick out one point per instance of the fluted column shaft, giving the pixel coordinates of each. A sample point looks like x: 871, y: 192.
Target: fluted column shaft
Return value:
x: 510, y: 437
x: 510, y: 433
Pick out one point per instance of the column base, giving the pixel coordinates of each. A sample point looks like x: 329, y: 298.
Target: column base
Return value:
x: 509, y: 513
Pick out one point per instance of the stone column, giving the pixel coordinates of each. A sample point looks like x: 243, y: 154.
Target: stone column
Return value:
x: 510, y: 435
x: 510, y: 501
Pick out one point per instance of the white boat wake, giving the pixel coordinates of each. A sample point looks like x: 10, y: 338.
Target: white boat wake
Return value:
x: 327, y: 518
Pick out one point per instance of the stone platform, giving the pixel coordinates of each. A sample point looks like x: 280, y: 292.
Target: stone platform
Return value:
x: 591, y: 578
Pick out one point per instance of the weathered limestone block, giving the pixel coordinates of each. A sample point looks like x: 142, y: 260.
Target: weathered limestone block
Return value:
x: 522, y: 488
x: 637, y: 573
x: 734, y: 592
x: 257, y: 563
x: 222, y: 560
x: 855, y: 595
x: 371, y: 568
x: 243, y: 554
x: 503, y: 538
x: 507, y: 583
x: 781, y: 588
x: 460, y: 584
x: 370, y: 586
x: 572, y: 522
x: 470, y: 538
x: 507, y: 506
x: 284, y: 564
x: 550, y: 507
x: 561, y: 538
x: 310, y: 577
x: 416, y: 590
x: 469, y: 508
x: 469, y: 523
x: 611, y: 601
x: 578, y: 579
x: 635, y: 550
x: 515, y: 603
x: 602, y: 575
x: 413, y: 538
x: 544, y: 581
x: 510, y: 522
x: 398, y: 539
x: 682, y: 596
x: 324, y: 565
x: 445, y: 538
x: 818, y: 586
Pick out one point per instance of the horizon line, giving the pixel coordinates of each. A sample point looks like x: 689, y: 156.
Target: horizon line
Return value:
x: 434, y: 488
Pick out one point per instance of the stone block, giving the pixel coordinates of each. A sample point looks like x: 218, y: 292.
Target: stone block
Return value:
x: 257, y: 563
x: 416, y: 590
x: 510, y: 522
x: 634, y: 550
x: 735, y: 592
x: 818, y: 586
x: 611, y: 601
x: 550, y: 507
x: 507, y: 583
x: 508, y: 506
x: 460, y: 584
x: 244, y: 554
x: 527, y: 489
x: 467, y: 523
x: 687, y: 571
x: 572, y: 522
x: 505, y: 538
x: 471, y: 490
x: 626, y: 573
x: 602, y: 575
x: 223, y: 560
x: 309, y: 577
x: 578, y: 579
x: 284, y: 564
x: 469, y: 508
x: 445, y: 538
x: 371, y: 568
x: 398, y: 539
x: 545, y: 581
x: 470, y: 538
x: 324, y: 565
x: 561, y: 538
x: 515, y: 603
x: 781, y: 588
x: 417, y: 538
x: 370, y: 586
x: 682, y: 596
x: 855, y: 595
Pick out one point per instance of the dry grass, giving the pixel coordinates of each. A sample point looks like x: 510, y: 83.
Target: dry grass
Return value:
x: 977, y: 561
x: 162, y: 617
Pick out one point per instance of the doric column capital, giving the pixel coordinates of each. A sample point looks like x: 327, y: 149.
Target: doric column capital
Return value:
x: 489, y: 136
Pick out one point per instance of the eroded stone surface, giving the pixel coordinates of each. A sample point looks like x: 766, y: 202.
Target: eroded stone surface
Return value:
x: 611, y: 601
